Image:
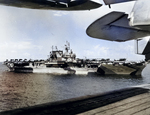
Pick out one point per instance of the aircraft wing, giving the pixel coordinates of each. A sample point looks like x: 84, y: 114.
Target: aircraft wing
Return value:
x: 53, y: 4
x: 108, y: 2
x: 115, y: 27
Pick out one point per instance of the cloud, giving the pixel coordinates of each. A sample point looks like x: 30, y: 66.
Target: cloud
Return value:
x: 25, y: 30
x: 97, y: 52
x: 113, y: 50
x: 60, y: 13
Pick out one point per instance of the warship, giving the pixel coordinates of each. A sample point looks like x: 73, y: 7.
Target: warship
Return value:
x: 65, y: 62
x: 59, y: 62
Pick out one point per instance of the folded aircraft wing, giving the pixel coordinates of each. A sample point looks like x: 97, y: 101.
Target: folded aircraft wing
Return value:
x: 140, y: 14
x: 108, y: 2
x: 52, y: 4
x: 115, y: 27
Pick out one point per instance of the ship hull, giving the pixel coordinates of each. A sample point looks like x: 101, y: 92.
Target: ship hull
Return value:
x: 54, y: 70
x: 103, y: 69
x: 106, y: 69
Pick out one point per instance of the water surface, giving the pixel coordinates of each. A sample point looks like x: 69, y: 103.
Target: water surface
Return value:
x: 22, y: 90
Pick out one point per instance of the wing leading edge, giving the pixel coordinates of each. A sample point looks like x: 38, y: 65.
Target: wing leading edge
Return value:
x: 115, y: 27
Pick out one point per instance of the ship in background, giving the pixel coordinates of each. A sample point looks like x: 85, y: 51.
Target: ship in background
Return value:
x: 65, y: 62
x: 59, y: 62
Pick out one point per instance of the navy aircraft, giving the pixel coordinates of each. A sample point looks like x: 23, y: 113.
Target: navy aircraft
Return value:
x: 118, y: 26
x: 53, y: 4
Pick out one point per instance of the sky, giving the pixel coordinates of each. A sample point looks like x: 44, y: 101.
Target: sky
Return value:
x: 31, y: 33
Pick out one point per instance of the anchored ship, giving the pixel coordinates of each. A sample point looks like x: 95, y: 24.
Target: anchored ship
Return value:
x: 65, y: 62
x: 59, y: 62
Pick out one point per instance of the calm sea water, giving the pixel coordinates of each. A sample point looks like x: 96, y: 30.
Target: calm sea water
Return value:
x: 22, y: 90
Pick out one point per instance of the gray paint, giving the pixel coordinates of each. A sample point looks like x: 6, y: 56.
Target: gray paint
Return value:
x: 52, y: 4
x: 115, y: 27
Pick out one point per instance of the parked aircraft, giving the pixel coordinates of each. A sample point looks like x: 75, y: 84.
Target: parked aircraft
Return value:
x: 53, y: 4
x: 118, y: 26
